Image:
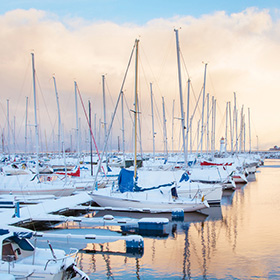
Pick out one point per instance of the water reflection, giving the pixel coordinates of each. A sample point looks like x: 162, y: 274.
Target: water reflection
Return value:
x: 213, y: 213
x: 237, y: 240
x: 188, y: 217
x: 137, y: 269
x: 108, y: 252
x: 158, y: 249
x: 227, y: 197
x: 186, y: 254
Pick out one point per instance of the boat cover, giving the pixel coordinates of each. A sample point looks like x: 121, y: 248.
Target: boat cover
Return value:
x: 126, y: 180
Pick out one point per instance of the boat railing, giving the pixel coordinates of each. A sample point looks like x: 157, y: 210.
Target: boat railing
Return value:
x: 10, y: 259
x: 73, y: 253
x: 24, y: 276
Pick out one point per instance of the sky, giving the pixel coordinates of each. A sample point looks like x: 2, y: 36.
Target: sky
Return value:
x: 138, y: 12
x: 79, y: 41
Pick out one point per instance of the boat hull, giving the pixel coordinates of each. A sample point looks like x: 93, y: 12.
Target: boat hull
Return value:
x: 126, y: 201
x: 55, y: 192
x: 29, y: 185
x: 212, y: 194
x: 239, y: 179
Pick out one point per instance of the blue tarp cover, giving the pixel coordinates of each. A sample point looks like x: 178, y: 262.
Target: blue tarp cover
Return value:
x: 126, y: 180
x: 185, y: 177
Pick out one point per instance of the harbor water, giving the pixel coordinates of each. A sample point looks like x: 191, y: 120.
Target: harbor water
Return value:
x: 237, y: 240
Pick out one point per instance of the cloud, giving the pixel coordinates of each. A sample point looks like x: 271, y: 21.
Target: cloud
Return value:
x: 241, y: 50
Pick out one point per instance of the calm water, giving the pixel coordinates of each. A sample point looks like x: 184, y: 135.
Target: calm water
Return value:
x: 239, y: 240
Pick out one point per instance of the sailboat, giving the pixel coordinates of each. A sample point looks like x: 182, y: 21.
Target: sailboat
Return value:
x: 129, y: 195
x: 155, y: 201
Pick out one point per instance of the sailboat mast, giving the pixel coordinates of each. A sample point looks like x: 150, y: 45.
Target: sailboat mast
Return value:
x: 180, y: 91
x: 90, y: 138
x: 35, y: 114
x: 226, y: 128
x: 153, y: 126
x: 59, y: 119
x: 235, y: 123
x: 63, y: 152
x: 94, y: 123
x: 77, y: 122
x: 25, y: 134
x: 207, y: 123
x: 244, y: 135
x: 8, y: 126
x: 135, y: 108
x: 249, y: 130
x: 203, y: 102
x: 3, y: 143
x: 212, y: 128
x: 172, y: 135
x: 14, y: 135
x: 230, y: 127
x: 188, y: 125
x: 123, y: 139
x: 164, y: 130
x: 191, y: 120
x: 197, y: 133
x: 139, y: 128
x: 241, y: 130
x: 99, y: 132
x: 104, y: 109
x: 104, y: 105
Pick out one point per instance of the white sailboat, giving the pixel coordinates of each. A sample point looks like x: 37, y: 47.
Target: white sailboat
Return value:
x: 154, y: 191
x: 159, y: 198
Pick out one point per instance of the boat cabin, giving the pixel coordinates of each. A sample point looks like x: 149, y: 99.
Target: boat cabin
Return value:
x: 14, y: 247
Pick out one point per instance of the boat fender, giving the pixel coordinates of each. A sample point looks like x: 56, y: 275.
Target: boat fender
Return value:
x: 108, y: 217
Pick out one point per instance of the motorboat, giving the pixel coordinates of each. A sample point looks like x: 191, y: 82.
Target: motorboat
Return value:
x: 23, y: 260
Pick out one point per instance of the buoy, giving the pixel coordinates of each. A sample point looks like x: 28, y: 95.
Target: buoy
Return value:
x: 108, y: 217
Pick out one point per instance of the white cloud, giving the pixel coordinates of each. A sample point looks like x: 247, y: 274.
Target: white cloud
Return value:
x: 241, y: 49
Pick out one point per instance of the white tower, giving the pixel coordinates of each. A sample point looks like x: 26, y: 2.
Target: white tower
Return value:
x: 222, y: 145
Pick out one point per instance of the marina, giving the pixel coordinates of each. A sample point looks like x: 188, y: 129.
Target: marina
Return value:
x: 124, y: 206
x: 233, y: 239
x: 128, y: 148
